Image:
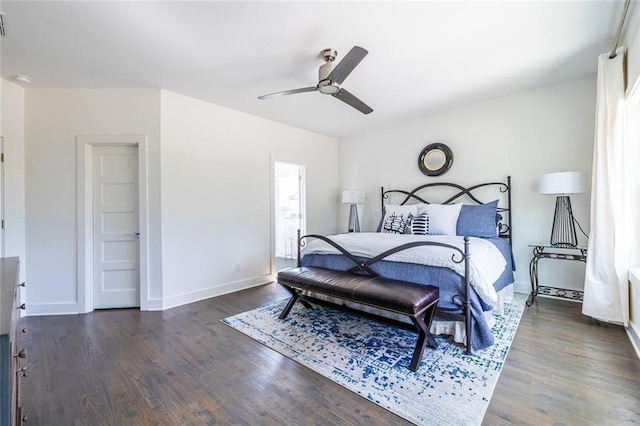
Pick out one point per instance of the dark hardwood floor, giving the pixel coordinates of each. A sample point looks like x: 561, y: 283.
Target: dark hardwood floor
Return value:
x: 183, y: 366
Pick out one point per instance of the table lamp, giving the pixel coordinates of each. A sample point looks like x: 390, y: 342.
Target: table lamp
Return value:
x: 563, y: 232
x: 353, y: 197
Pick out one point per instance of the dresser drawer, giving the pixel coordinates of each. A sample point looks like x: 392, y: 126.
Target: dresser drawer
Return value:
x: 12, y: 354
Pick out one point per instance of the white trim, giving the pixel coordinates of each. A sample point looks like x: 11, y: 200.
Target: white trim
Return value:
x: 84, y: 150
x: 302, y: 169
x: 207, y: 293
x: 2, y: 203
x: 153, y: 305
x: 635, y: 339
x: 522, y: 287
x: 62, y: 308
x: 303, y: 197
x: 633, y: 331
x: 272, y: 215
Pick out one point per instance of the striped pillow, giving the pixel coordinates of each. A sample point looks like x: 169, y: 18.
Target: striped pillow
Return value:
x: 420, y: 224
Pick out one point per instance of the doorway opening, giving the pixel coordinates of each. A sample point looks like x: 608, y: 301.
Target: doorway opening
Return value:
x: 289, y: 203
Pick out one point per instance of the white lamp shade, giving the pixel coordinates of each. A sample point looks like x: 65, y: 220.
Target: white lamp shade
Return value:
x: 352, y: 196
x: 563, y: 183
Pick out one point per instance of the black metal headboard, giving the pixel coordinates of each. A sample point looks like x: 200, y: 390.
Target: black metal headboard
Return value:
x: 454, y: 192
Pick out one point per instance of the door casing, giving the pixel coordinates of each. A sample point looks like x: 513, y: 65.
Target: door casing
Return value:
x: 84, y: 150
x: 302, y: 200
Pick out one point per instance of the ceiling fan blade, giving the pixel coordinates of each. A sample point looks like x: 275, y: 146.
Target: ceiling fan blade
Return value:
x: 351, y: 100
x: 347, y: 64
x: 289, y: 92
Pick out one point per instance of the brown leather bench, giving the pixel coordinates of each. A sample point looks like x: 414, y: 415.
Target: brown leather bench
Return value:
x: 417, y: 301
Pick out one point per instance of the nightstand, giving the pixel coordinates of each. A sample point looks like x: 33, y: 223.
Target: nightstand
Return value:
x: 547, y: 251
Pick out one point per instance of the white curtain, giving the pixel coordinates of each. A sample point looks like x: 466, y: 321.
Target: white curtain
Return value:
x: 606, y: 293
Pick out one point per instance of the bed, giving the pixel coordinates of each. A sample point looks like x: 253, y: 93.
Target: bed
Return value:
x: 471, y: 290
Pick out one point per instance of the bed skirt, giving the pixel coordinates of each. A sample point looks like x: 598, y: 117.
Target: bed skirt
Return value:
x: 438, y: 327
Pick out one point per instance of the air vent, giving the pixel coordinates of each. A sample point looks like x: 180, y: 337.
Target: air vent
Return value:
x: 3, y: 22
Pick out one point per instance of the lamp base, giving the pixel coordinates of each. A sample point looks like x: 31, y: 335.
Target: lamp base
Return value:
x: 563, y: 232
x: 354, y: 224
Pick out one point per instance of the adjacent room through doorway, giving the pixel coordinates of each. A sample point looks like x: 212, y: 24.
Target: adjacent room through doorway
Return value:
x: 289, y: 204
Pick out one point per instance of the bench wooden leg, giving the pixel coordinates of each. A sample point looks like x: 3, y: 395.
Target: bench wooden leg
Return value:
x: 424, y: 336
x: 294, y: 296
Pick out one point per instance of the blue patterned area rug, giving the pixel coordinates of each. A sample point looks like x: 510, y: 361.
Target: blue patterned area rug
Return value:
x: 370, y: 358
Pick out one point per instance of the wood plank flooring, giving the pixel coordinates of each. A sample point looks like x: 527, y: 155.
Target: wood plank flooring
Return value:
x: 183, y: 366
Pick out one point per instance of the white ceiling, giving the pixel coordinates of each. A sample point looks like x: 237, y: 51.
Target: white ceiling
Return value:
x: 423, y: 56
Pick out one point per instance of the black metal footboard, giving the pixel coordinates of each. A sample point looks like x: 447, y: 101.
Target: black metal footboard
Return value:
x: 463, y: 313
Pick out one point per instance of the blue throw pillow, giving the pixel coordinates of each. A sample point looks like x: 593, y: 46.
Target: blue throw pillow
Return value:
x: 478, y: 221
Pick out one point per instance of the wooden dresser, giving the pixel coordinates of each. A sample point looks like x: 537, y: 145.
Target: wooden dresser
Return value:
x: 12, y: 355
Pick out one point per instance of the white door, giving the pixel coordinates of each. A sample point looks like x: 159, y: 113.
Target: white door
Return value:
x: 116, y: 278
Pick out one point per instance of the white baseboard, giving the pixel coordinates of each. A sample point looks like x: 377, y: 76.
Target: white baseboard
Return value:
x: 152, y: 305
x: 633, y: 331
x: 73, y: 308
x: 635, y: 339
x: 40, y: 309
x: 195, y: 296
x: 522, y: 287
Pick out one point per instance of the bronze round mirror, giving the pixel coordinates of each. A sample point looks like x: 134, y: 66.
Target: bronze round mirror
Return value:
x: 435, y: 159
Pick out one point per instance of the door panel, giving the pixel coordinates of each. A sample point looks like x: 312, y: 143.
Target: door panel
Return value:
x: 115, y: 227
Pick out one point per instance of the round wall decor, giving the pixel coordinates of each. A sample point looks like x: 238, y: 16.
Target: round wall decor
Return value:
x: 435, y: 159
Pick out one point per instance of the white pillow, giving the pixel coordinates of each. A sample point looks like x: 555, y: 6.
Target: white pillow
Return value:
x: 443, y: 218
x: 406, y: 213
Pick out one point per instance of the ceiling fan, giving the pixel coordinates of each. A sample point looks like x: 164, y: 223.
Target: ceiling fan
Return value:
x: 331, y: 77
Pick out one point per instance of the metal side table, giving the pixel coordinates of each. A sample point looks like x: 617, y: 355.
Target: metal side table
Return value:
x: 547, y: 251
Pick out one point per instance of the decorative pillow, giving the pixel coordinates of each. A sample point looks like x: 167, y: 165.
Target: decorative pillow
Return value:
x: 498, y: 220
x: 397, y: 210
x: 396, y: 223
x: 478, y: 221
x: 420, y: 224
x: 443, y: 218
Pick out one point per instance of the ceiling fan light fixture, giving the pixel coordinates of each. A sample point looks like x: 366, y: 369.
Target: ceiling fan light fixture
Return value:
x: 328, y: 87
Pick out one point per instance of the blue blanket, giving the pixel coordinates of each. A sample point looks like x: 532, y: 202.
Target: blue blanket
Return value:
x: 449, y: 283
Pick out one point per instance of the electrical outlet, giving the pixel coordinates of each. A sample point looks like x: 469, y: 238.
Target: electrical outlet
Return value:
x: 237, y: 267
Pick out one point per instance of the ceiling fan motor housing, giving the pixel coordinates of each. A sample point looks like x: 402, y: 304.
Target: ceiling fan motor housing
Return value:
x: 325, y: 85
x: 329, y: 55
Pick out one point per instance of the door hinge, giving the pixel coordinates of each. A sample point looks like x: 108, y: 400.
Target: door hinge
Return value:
x: 2, y: 223
x: 2, y: 157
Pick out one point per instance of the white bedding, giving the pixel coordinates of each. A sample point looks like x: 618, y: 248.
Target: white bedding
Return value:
x: 486, y: 263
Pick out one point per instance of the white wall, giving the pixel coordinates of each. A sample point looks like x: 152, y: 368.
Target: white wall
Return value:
x: 523, y: 135
x: 211, y: 154
x: 217, y: 195
x: 54, y: 117
x: 209, y: 195
x: 13, y: 130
